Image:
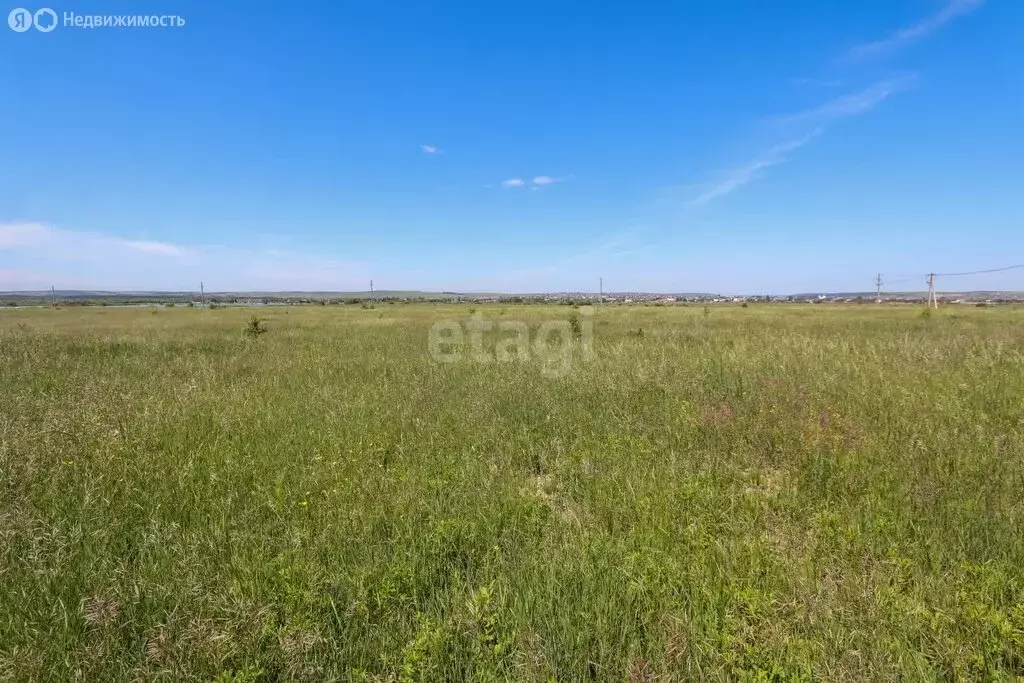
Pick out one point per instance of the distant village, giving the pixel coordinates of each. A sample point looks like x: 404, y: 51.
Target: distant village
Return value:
x: 669, y: 299
x: 215, y: 299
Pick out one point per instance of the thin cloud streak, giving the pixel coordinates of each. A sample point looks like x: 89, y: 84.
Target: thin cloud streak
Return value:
x: 75, y: 259
x: 79, y: 245
x: 536, y: 182
x: 609, y: 245
x: 738, y: 177
x: 851, y: 104
x: 817, y: 118
x: 160, y: 248
x: 909, y: 34
x: 430, y: 149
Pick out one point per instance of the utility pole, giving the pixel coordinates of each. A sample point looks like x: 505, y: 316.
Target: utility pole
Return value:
x: 371, y: 286
x: 933, y: 301
x: 600, y: 290
x: 53, y: 296
x: 202, y: 296
x: 878, y: 289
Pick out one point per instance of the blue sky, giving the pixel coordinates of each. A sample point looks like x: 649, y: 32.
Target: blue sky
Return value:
x: 731, y: 146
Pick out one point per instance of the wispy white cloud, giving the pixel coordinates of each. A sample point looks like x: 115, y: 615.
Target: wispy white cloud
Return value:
x: 536, y: 182
x: 74, y: 245
x: 161, y: 248
x: 24, y: 279
x: 610, y: 245
x: 542, y: 180
x: 851, y: 104
x: 737, y: 177
x: 430, y: 149
x: 811, y: 123
x: 23, y: 235
x: 73, y: 259
x: 914, y: 32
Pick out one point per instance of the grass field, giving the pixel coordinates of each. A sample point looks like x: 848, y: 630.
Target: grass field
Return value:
x: 764, y: 493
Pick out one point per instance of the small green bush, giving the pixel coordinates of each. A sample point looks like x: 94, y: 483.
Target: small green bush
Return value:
x: 575, y: 326
x: 255, y: 327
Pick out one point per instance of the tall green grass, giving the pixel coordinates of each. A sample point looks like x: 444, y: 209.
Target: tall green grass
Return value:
x: 770, y: 493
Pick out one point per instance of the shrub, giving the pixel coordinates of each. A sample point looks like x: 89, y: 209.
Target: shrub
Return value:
x: 575, y: 326
x: 255, y: 327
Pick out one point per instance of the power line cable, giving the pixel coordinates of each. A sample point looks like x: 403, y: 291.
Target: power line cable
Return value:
x: 902, y: 277
x: 979, y: 272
